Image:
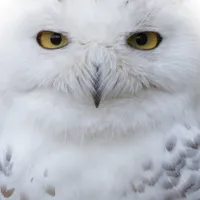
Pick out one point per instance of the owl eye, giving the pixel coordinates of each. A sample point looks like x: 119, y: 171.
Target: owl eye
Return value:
x: 52, y: 40
x: 144, y: 40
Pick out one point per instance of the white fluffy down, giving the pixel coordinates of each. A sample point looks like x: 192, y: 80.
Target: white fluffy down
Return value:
x: 142, y: 143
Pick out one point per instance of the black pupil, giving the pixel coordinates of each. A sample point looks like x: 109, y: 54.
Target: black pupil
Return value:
x: 141, y: 39
x: 56, y: 39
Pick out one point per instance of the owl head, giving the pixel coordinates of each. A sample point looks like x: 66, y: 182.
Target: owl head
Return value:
x: 100, y: 53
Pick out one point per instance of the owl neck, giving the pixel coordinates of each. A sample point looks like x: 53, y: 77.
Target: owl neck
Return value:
x: 59, y: 118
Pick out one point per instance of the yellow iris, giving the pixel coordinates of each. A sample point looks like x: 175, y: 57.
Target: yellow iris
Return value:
x: 52, y: 40
x: 144, y: 40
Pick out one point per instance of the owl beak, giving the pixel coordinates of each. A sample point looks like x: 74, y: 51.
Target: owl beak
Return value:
x: 97, y: 91
x: 96, y: 98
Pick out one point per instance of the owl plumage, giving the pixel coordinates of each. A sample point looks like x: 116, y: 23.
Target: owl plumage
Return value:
x: 99, y: 99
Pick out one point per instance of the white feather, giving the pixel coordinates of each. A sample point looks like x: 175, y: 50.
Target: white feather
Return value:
x: 55, y: 144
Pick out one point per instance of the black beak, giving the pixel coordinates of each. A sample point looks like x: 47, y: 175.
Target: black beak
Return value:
x: 97, y: 99
x: 97, y: 91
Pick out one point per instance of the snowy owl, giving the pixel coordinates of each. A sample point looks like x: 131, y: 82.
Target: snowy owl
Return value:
x: 99, y: 100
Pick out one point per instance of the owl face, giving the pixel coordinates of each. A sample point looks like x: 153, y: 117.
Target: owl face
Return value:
x: 97, y: 52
